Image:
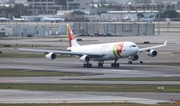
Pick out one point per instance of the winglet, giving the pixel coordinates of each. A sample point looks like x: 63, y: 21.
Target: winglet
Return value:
x: 152, y: 47
x: 14, y: 46
x: 13, y: 17
x: 165, y: 43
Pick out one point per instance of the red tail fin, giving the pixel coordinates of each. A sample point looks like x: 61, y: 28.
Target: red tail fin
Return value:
x: 72, y: 39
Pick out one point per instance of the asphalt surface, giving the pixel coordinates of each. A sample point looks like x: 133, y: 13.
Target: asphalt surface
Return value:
x: 170, y: 53
x: 19, y: 96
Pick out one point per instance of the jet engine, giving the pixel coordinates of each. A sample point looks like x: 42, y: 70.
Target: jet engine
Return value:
x: 133, y: 58
x: 85, y: 58
x: 51, y: 56
x: 152, y: 53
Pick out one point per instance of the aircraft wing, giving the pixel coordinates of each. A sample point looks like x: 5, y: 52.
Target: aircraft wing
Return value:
x: 62, y: 52
x: 152, y: 47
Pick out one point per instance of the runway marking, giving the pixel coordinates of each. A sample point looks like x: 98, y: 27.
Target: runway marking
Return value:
x: 126, y: 101
x: 64, y: 101
x: 10, y: 81
x: 27, y: 96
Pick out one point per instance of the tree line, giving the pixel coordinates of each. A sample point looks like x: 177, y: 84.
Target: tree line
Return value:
x: 164, y: 11
x: 19, y: 10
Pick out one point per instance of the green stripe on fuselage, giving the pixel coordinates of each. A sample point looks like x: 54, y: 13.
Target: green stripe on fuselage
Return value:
x: 115, y: 50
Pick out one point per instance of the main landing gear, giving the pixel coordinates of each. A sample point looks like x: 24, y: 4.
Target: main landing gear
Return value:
x: 87, y: 65
x: 115, y: 64
x: 100, y: 64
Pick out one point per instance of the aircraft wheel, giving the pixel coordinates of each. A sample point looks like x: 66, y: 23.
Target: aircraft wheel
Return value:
x: 112, y: 64
x: 100, y: 65
x: 90, y: 65
x: 130, y: 62
x: 117, y: 64
x: 85, y: 65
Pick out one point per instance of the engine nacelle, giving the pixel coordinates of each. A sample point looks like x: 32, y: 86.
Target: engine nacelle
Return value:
x: 152, y: 53
x: 51, y: 56
x: 85, y: 58
x: 133, y: 58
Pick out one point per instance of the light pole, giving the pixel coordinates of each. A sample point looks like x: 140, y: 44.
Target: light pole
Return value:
x: 81, y: 30
x: 168, y: 7
x: 121, y: 9
x: 67, y: 4
x: 158, y: 23
x: 16, y: 31
x: 152, y: 7
x: 167, y: 16
x: 129, y: 4
x: 158, y: 19
x: 23, y: 30
x: 109, y: 16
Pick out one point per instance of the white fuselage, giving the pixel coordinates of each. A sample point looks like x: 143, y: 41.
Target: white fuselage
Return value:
x: 109, y: 50
x: 19, y: 19
x: 52, y: 19
x: 3, y: 19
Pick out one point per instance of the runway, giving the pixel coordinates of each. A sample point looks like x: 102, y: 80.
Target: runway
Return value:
x: 125, y: 71
x: 60, y: 65
x: 18, y: 96
x: 166, y: 54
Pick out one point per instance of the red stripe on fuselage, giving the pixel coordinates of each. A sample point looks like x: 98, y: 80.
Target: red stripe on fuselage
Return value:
x: 120, y: 48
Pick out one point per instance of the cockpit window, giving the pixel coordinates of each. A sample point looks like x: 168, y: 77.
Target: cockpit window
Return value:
x: 133, y: 46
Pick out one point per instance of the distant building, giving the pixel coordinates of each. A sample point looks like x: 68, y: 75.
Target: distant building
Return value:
x: 3, y: 1
x: 20, y: 1
x: 62, y: 4
x: 13, y: 1
x: 142, y: 1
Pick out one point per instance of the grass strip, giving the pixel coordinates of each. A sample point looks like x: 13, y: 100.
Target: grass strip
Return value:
x: 166, y: 64
x: 13, y: 55
x: 21, y: 55
x: 137, y: 79
x: 22, y: 45
x: 176, y: 53
x: 36, y: 73
x: 87, y: 104
x: 84, y: 87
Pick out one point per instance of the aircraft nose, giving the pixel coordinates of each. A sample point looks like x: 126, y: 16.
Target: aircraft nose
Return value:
x: 135, y: 50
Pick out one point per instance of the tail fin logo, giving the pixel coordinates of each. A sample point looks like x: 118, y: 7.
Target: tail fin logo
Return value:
x: 70, y: 34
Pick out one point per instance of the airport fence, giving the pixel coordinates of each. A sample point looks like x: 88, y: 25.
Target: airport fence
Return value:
x: 122, y: 29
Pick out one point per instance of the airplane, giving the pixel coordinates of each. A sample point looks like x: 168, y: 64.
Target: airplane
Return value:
x: 45, y: 18
x: 19, y: 19
x: 3, y: 19
x: 98, y: 52
x: 129, y: 19
x: 148, y: 19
